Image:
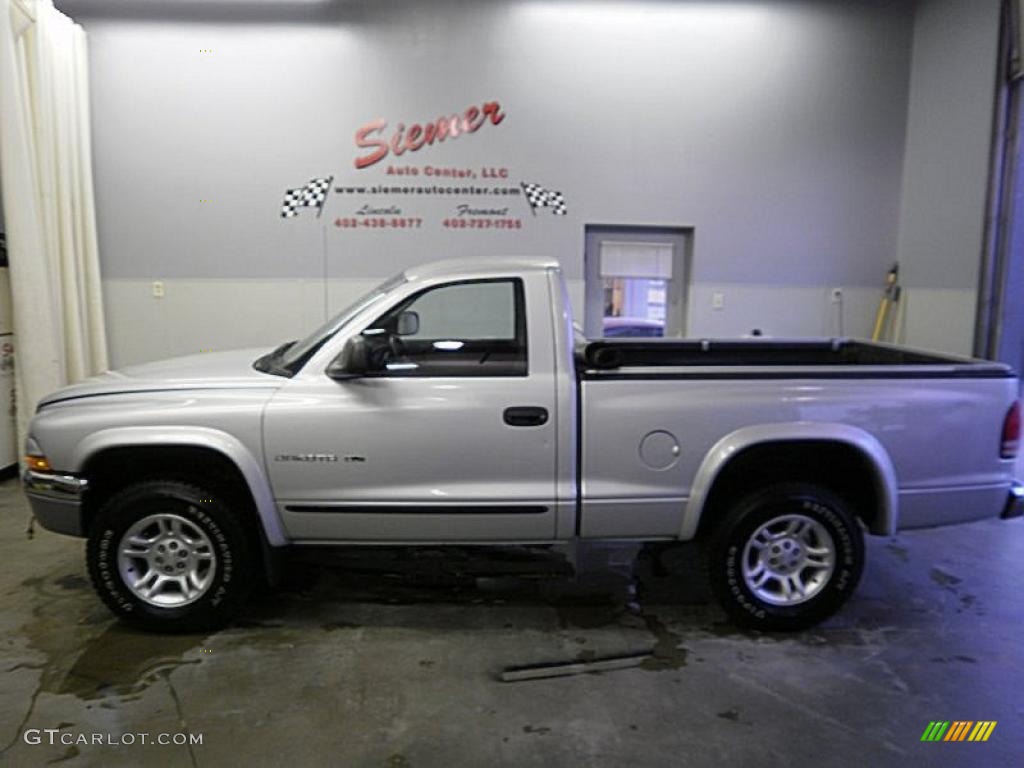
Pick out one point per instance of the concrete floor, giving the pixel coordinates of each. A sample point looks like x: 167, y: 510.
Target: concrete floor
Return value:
x: 361, y: 669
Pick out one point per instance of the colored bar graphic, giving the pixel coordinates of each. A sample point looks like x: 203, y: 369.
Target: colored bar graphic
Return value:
x: 982, y: 730
x: 935, y: 730
x: 958, y: 730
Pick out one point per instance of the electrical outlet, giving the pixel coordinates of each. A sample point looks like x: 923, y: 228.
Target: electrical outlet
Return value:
x: 158, y: 289
x: 717, y: 300
x: 836, y: 294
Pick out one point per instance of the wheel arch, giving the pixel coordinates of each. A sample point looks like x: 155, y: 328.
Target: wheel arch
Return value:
x: 100, y: 444
x: 748, y: 444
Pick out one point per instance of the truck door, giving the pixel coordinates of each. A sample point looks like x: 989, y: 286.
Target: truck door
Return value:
x: 452, y: 439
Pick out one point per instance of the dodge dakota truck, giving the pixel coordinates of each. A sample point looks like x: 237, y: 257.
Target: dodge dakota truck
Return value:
x: 455, y: 404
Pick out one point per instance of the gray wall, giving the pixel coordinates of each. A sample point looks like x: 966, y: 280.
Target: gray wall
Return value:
x: 946, y: 168
x: 1011, y: 332
x: 775, y: 129
x: 953, y: 82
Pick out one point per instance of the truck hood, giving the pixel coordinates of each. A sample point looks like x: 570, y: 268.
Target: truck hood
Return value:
x: 214, y: 370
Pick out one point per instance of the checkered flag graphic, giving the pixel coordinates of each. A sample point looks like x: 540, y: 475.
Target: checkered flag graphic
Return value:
x: 538, y: 197
x: 312, y: 195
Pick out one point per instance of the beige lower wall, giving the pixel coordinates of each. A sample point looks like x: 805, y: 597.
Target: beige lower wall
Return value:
x: 940, y: 319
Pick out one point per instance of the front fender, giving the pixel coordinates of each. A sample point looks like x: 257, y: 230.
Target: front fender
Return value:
x: 200, y: 437
x: 746, y: 437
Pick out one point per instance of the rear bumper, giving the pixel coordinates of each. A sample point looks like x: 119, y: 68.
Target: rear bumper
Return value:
x: 56, y: 500
x: 1014, y: 502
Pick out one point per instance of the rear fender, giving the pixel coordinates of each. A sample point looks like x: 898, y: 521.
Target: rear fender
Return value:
x: 884, y: 474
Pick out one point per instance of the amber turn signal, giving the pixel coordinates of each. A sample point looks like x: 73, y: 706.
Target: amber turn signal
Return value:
x: 38, y: 463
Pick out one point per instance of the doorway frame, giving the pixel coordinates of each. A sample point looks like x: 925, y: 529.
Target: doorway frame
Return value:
x: 682, y: 269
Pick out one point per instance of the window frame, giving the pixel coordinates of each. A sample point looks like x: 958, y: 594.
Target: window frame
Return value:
x: 519, y: 322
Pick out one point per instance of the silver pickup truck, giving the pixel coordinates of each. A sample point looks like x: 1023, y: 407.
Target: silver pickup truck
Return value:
x: 455, y: 404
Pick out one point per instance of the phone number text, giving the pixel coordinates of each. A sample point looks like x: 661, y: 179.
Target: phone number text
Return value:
x: 378, y: 223
x: 483, y: 223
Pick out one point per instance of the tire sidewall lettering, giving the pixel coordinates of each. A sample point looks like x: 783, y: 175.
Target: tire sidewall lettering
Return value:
x: 109, y: 577
x: 736, y: 586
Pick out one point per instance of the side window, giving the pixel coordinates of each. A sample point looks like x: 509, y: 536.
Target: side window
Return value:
x: 472, y: 328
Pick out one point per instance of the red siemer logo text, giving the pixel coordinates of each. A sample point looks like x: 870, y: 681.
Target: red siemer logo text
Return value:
x: 417, y: 135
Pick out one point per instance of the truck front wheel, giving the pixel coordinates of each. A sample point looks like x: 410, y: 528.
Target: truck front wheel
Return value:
x: 785, y: 557
x: 169, y: 556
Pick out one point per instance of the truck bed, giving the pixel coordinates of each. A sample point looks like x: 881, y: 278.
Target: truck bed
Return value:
x: 682, y: 401
x: 831, y: 358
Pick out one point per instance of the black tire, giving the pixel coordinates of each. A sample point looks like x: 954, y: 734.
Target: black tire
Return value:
x: 725, y: 553
x: 235, y: 559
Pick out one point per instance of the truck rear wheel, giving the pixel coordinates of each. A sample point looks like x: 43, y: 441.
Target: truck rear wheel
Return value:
x: 170, y: 556
x: 785, y: 557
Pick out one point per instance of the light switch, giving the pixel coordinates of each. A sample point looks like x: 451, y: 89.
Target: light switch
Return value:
x: 717, y: 300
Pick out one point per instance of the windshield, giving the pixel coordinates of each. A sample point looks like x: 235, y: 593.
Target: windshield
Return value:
x: 295, y: 355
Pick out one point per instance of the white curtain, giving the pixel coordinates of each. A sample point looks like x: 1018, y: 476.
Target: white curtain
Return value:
x: 46, y: 172
x: 652, y: 261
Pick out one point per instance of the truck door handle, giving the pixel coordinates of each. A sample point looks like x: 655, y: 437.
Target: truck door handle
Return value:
x: 526, y: 416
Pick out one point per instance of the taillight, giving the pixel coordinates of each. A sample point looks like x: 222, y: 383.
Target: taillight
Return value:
x: 1011, y: 432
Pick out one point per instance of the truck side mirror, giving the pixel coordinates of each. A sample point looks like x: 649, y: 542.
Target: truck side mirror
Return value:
x: 408, y: 323
x: 352, y: 363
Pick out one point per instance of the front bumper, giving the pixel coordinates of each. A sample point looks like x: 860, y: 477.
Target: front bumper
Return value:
x: 56, y: 500
x: 1014, y: 502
